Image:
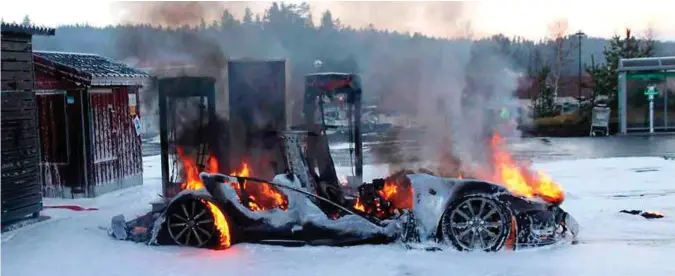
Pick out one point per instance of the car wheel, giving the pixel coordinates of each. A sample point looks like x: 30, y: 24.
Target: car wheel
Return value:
x: 476, y: 222
x: 189, y: 222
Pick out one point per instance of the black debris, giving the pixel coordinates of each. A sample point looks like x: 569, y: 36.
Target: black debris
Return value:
x: 137, y: 230
x: 645, y: 214
x: 651, y: 215
x: 632, y: 212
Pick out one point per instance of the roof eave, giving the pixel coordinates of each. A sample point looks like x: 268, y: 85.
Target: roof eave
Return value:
x: 119, y: 81
x: 27, y: 29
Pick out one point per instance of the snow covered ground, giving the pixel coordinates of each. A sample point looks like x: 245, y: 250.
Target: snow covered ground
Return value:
x: 75, y: 243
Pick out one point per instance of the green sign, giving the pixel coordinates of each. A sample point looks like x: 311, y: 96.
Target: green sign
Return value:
x: 651, y: 91
x: 650, y: 75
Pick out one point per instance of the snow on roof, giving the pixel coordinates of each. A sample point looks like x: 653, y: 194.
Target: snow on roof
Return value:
x: 101, y: 70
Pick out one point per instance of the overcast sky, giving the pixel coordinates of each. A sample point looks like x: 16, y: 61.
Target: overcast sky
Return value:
x: 525, y: 18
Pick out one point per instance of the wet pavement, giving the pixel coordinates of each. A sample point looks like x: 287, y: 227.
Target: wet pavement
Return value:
x: 536, y: 149
x: 545, y: 149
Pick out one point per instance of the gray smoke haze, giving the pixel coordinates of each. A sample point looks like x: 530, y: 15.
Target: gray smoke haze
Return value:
x: 434, y: 18
x: 167, y: 56
x: 458, y: 92
x: 453, y: 90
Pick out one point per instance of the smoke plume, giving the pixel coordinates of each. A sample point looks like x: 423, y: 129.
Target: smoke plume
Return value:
x: 454, y: 90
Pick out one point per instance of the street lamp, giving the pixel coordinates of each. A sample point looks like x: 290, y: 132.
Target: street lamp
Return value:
x: 580, y: 35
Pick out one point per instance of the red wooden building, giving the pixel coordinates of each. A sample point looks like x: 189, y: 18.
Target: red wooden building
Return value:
x: 87, y: 109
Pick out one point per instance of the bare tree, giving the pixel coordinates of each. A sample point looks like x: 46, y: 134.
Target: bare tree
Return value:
x: 649, y: 46
x: 558, y: 31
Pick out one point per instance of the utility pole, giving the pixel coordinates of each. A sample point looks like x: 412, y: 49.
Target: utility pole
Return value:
x: 580, y: 35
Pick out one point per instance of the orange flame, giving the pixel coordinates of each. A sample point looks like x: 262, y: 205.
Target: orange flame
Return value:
x: 213, y: 164
x: 520, y: 180
x: 398, y: 193
x: 220, y: 223
x: 261, y: 196
x: 398, y: 190
x: 359, y: 206
x: 193, y: 182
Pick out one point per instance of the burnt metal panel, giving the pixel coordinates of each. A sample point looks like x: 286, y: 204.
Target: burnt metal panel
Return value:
x: 172, y: 93
x: 20, y: 181
x: 257, y: 104
x: 257, y: 93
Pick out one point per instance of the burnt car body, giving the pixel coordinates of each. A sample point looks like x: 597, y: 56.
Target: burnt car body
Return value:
x: 467, y: 214
x: 463, y: 213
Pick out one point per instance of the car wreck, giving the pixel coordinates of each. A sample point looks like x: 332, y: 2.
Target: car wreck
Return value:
x: 309, y: 204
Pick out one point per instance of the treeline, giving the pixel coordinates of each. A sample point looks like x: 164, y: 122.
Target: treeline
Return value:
x: 394, y: 64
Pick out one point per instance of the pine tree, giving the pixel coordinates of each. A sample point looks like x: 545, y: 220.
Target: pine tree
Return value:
x: 605, y: 80
x: 26, y: 20
x: 248, y: 16
x: 327, y: 22
x: 545, y: 102
x: 227, y: 20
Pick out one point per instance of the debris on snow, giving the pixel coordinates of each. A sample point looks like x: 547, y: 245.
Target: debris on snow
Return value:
x: 138, y: 230
x: 645, y: 214
x: 71, y: 207
x: 118, y: 227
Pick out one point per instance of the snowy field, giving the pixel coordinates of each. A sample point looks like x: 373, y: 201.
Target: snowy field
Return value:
x: 75, y: 243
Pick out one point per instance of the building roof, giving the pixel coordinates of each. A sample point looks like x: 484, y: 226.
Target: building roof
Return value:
x: 26, y: 29
x: 648, y: 63
x: 94, y: 69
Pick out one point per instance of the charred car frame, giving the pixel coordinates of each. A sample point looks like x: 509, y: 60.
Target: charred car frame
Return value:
x: 466, y: 214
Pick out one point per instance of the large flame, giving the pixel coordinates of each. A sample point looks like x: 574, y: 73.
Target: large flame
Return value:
x: 193, y: 182
x: 519, y: 179
x: 260, y: 196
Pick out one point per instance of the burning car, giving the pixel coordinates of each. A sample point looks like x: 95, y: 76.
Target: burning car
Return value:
x: 309, y: 204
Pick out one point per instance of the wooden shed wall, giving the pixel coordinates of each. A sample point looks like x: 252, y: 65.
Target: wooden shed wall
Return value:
x: 20, y: 178
x: 17, y: 62
x: 116, y: 159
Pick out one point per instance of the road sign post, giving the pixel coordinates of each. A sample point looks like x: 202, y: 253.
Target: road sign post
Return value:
x: 650, y: 92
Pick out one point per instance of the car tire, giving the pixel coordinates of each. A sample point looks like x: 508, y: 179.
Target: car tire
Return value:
x: 189, y: 222
x: 476, y: 222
